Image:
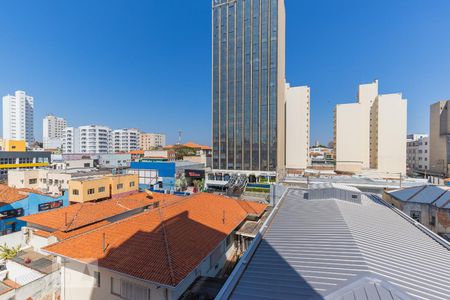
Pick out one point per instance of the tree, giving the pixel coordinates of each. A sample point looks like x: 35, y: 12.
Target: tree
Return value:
x: 182, y: 151
x: 8, y: 253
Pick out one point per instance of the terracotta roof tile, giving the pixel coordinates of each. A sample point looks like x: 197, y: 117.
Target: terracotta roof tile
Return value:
x: 10, y: 195
x: 161, y: 245
x: 81, y: 214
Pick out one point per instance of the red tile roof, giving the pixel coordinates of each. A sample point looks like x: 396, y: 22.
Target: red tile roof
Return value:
x: 9, y: 195
x: 161, y: 245
x: 81, y: 214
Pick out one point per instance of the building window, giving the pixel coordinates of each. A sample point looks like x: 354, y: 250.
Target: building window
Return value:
x: 75, y: 192
x: 131, y: 183
x: 32, y: 181
x: 101, y: 189
x: 415, y: 214
x: 97, y: 278
x: 120, y: 186
x: 91, y: 191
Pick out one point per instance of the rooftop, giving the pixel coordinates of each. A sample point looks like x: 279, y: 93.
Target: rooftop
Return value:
x: 161, y: 245
x: 10, y: 195
x: 438, y: 196
x: 337, y: 248
x: 190, y: 145
x: 78, y: 215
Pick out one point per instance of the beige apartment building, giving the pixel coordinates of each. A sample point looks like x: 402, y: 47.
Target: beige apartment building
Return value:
x: 150, y: 141
x: 439, y: 138
x: 297, y: 127
x: 370, y: 135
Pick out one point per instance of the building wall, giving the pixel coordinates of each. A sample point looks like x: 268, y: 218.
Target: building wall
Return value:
x: 114, y: 160
x: 371, y: 134
x: 126, y: 140
x: 79, y: 189
x: 297, y: 127
x: 390, y: 134
x: 71, y: 140
x: 22, y: 160
x: 438, y: 138
x: 14, y: 145
x: 129, y: 183
x: 52, y: 133
x: 45, y: 180
x: 30, y: 205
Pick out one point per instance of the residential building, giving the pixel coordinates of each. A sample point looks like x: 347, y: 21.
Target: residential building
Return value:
x: 10, y: 160
x: 338, y: 243
x: 53, y: 131
x: 59, y: 224
x: 150, y: 141
x: 49, y: 181
x: 156, y: 254
x: 18, y: 117
x: 439, y: 137
x: 95, y: 188
x: 13, y: 145
x: 371, y: 134
x: 71, y: 140
x: 427, y: 204
x: 17, y: 203
x: 95, y: 139
x: 126, y: 140
x: 60, y: 162
x: 248, y: 85
x: 417, y: 154
x: 297, y: 127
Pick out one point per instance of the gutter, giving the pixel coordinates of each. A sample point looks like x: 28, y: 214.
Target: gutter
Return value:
x: 233, y: 279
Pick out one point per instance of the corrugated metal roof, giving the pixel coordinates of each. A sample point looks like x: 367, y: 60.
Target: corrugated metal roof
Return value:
x: 332, y: 249
x: 428, y: 194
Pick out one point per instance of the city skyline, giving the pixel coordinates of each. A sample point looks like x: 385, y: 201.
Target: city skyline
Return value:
x: 102, y: 65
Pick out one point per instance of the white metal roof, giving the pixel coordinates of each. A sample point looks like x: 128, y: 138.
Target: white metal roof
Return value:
x: 335, y: 249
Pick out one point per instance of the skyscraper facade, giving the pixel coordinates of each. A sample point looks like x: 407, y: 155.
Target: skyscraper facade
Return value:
x: 18, y: 117
x: 248, y: 84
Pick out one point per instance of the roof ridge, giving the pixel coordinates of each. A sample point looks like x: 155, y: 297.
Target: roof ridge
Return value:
x: 166, y: 245
x: 439, y: 197
x: 241, y: 202
x: 67, y: 226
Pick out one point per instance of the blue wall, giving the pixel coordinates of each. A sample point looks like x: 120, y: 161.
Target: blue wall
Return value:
x: 165, y: 169
x: 30, y: 206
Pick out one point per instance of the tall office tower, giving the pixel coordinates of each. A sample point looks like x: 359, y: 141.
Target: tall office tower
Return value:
x: 125, y: 140
x: 248, y: 84
x: 297, y: 127
x: 52, y: 131
x: 440, y: 138
x: 149, y: 141
x: 18, y: 112
x: 95, y: 139
x: 371, y: 134
x: 71, y: 140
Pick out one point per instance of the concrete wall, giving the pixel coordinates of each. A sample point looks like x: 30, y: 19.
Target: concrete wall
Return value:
x: 297, y: 127
x: 391, y: 134
x: 438, y: 142
x: 78, y: 189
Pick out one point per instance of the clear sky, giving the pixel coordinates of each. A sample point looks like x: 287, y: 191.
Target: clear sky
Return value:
x: 147, y: 64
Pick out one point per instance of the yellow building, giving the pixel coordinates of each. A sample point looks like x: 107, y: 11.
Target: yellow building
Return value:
x: 99, y: 188
x: 13, y: 145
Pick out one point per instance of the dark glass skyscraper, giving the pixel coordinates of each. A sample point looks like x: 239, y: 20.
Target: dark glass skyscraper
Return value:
x: 248, y: 84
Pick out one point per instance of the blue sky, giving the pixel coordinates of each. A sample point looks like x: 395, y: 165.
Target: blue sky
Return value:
x: 147, y: 64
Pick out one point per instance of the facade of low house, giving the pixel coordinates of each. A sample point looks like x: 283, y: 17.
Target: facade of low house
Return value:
x: 428, y: 205
x: 156, y: 254
x: 104, y: 187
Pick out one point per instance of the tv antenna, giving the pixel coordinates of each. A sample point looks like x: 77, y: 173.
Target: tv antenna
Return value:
x: 180, y: 132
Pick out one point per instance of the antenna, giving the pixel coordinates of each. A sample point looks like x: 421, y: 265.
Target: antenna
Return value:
x: 180, y: 132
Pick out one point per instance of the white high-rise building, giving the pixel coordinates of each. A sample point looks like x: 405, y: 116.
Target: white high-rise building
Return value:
x: 52, y: 131
x: 71, y: 140
x: 371, y: 134
x: 95, y: 139
x: 150, y: 141
x: 18, y: 114
x: 125, y: 140
x: 297, y: 127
